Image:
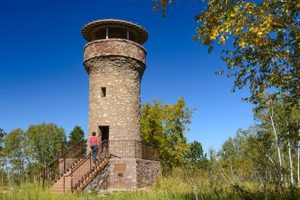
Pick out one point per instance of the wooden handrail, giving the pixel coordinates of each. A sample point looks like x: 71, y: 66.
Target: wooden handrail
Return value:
x: 107, y: 149
x: 89, y: 155
x: 56, y: 163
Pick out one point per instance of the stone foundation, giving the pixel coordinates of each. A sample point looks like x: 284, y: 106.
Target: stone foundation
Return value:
x: 126, y: 173
x: 148, y: 172
x: 122, y: 173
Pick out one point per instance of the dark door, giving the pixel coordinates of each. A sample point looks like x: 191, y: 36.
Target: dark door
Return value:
x: 104, y: 133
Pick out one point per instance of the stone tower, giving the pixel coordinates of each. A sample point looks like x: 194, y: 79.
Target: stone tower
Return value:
x: 114, y: 59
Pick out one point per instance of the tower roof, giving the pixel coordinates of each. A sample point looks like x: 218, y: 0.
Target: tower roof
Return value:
x: 137, y: 33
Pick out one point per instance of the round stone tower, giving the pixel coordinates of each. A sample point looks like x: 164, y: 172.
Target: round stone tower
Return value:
x: 114, y: 59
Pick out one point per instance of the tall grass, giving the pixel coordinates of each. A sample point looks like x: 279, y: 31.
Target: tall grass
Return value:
x: 36, y: 192
x: 171, y: 187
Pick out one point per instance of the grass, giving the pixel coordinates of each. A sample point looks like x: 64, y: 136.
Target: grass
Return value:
x: 166, y: 189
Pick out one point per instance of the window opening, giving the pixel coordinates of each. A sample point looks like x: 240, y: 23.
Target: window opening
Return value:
x: 103, y: 91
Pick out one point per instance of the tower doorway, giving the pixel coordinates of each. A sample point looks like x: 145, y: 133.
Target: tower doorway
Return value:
x: 104, y: 133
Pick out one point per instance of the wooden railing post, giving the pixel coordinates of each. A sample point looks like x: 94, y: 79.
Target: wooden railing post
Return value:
x: 64, y: 183
x: 135, y: 142
x: 90, y: 161
x: 64, y: 165
x: 72, y: 182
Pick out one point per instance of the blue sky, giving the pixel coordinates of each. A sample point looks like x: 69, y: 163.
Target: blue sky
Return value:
x: 42, y: 77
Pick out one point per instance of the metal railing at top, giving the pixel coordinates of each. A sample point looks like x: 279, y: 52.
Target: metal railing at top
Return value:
x: 129, y: 149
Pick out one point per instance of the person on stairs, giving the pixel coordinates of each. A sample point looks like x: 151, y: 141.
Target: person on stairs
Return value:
x: 94, y: 144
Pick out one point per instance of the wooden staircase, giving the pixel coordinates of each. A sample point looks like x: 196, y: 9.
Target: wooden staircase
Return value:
x: 89, y: 176
x: 79, y: 175
x: 73, y: 172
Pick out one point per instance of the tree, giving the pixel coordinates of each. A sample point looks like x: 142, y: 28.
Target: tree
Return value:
x: 195, y: 156
x: 2, y: 134
x: 2, y: 173
x: 15, y: 157
x: 263, y: 51
x: 45, y: 143
x: 163, y: 126
x: 77, y: 136
x: 281, y: 118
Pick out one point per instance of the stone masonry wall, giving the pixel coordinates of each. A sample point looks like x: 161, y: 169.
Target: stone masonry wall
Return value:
x: 114, y: 47
x: 148, y: 171
x: 126, y: 173
x: 120, y: 109
x: 122, y: 173
x: 117, y: 65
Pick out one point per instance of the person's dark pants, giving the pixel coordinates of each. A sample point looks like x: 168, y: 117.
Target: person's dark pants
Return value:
x: 94, y: 152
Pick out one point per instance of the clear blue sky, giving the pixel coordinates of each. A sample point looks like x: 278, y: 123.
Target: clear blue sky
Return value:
x: 42, y: 78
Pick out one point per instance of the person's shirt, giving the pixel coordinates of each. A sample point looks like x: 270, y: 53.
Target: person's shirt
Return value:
x: 93, y: 140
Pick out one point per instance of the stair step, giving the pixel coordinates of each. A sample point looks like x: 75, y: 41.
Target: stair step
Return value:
x: 83, y: 181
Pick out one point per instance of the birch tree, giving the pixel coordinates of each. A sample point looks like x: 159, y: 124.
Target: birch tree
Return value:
x: 262, y: 42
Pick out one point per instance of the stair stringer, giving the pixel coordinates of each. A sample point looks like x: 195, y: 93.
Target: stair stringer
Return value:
x: 100, y: 181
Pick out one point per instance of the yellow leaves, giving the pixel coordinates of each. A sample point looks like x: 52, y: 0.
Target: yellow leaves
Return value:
x: 261, y: 12
x: 261, y: 30
x: 222, y: 39
x: 214, y: 34
x: 243, y: 44
x: 234, y: 12
x: 268, y: 21
x: 259, y: 33
x: 249, y: 7
x: 266, y: 4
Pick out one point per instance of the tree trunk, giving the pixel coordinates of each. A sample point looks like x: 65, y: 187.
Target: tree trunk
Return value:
x: 291, y: 163
x: 277, y: 145
x: 298, y: 160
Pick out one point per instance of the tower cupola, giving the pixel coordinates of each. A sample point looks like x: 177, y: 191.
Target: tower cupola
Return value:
x: 112, y: 28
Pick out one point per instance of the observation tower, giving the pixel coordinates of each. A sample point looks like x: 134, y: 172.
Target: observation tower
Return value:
x: 114, y: 59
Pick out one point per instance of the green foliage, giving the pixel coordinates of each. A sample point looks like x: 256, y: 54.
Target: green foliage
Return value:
x: 77, y: 136
x: 168, y: 188
x: 279, y: 118
x: 2, y: 174
x: 2, y: 134
x: 243, y: 157
x: 163, y: 5
x: 163, y: 126
x: 15, y: 157
x: 45, y: 143
x: 285, y: 114
x: 195, y: 156
x: 263, y: 36
x: 26, y: 154
x: 30, y: 191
